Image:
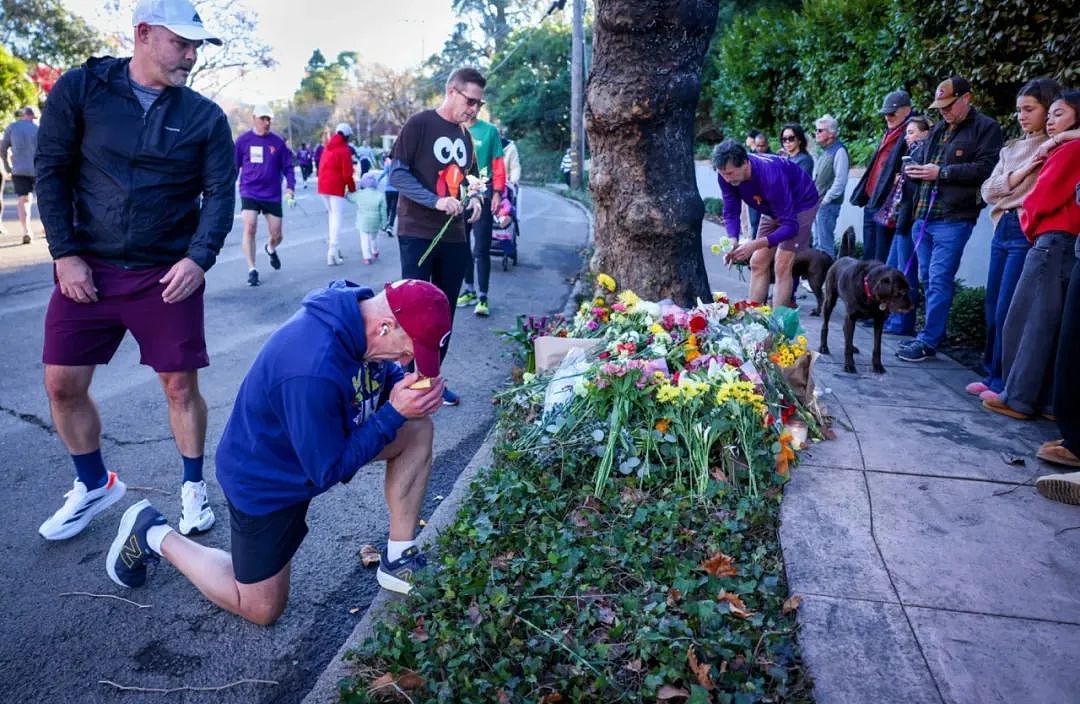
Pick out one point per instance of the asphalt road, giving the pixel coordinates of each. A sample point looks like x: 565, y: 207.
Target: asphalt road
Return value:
x: 56, y: 648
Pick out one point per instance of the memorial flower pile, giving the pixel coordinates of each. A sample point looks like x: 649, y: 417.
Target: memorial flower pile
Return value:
x: 684, y: 396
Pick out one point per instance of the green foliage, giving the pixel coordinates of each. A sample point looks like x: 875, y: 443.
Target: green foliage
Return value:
x: 542, y: 589
x: 714, y: 206
x: 998, y: 45
x: 322, y: 80
x: 16, y: 90
x: 538, y: 164
x: 967, y: 317
x: 44, y: 31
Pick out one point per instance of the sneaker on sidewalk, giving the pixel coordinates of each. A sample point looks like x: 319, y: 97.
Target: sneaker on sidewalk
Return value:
x: 1058, y: 454
x: 998, y: 406
x: 398, y: 576
x: 907, y: 343
x: 253, y: 278
x: 481, y: 309
x: 275, y: 260
x: 916, y: 352
x: 1060, y: 487
x: 466, y: 299
x: 129, y: 552
x: 196, y: 515
x: 449, y: 398
x: 81, y: 505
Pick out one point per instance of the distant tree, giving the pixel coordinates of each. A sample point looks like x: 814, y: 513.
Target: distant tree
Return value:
x: 323, y: 80
x: 641, y: 98
x: 494, y: 20
x: 16, y: 90
x: 44, y: 32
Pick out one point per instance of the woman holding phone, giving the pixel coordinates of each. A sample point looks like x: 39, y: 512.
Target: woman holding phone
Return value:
x: 1012, y: 179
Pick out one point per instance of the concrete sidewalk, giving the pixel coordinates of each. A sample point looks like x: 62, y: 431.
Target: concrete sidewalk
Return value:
x: 930, y: 569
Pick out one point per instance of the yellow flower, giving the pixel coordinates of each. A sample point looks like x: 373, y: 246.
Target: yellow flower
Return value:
x: 629, y: 299
x: 656, y: 328
x: 715, y: 249
x: 666, y: 393
x: 764, y: 310
x: 606, y: 281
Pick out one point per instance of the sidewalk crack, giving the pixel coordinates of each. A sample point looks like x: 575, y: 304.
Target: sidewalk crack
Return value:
x: 30, y: 418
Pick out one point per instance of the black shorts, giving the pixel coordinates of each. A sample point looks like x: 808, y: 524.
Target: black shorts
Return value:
x: 262, y: 545
x: 24, y: 185
x: 261, y: 206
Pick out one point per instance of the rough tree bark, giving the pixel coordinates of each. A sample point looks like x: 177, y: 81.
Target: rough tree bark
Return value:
x: 642, y: 94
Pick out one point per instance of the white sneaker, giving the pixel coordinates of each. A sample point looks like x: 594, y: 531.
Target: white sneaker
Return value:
x: 80, y: 507
x: 196, y: 515
x: 334, y: 258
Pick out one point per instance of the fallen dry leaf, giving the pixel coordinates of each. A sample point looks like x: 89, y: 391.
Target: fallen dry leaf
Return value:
x: 606, y: 615
x: 635, y: 665
x: 475, y: 617
x: 720, y: 565
x: 354, y: 610
x: 791, y: 604
x: 420, y: 633
x: 735, y: 604
x: 668, y: 692
x: 369, y: 555
x: 410, y: 680
x: 501, y: 697
x: 700, y: 670
x: 501, y: 562
x: 674, y: 596
x: 630, y: 495
x: 383, y: 680
x: 551, y: 698
x: 718, y: 474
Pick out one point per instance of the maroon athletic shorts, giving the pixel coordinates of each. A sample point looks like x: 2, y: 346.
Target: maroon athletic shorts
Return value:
x: 170, y: 335
x: 801, y: 240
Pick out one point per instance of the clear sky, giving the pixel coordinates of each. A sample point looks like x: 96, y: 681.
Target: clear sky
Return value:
x: 395, y: 33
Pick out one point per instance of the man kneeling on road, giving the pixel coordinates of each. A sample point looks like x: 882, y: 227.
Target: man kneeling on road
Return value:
x: 324, y: 397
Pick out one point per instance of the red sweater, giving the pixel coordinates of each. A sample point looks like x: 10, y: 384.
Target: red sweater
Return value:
x: 1051, y: 206
x: 336, y: 168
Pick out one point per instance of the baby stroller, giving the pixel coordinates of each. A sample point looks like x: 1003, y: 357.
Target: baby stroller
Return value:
x: 504, y: 232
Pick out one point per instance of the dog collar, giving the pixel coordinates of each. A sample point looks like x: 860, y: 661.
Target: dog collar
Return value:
x: 866, y: 287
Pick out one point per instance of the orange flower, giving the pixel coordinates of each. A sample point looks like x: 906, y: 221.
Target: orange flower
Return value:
x: 663, y: 424
x: 692, y: 355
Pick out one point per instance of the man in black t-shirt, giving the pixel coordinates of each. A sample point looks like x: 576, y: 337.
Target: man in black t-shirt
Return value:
x: 430, y: 159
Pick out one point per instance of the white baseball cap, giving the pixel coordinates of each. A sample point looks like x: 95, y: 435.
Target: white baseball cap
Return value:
x: 177, y: 16
x: 262, y: 110
x: 344, y: 128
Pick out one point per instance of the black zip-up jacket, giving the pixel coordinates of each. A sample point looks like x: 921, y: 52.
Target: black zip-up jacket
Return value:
x: 134, y: 190
x: 968, y: 159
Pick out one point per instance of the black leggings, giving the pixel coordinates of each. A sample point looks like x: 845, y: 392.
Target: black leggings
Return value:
x: 391, y: 207
x: 480, y: 233
x: 1067, y: 372
x: 445, y: 267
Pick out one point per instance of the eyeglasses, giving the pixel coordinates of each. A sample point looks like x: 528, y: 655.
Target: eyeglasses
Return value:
x: 789, y: 138
x: 471, y: 102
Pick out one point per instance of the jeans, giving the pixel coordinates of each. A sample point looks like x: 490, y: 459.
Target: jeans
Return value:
x: 480, y: 233
x: 901, y: 253
x: 939, y: 258
x: 1067, y: 372
x: 825, y: 228
x: 391, y: 208
x: 445, y: 267
x: 1029, y: 338
x: 755, y: 220
x: 1008, y: 250
x: 877, y: 239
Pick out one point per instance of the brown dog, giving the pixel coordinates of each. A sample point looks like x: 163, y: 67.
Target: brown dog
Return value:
x: 812, y: 265
x: 870, y: 290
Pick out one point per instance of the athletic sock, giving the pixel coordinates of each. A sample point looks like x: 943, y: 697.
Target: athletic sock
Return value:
x: 394, y: 548
x: 156, y: 534
x: 270, y: 249
x: 91, y: 469
x: 193, y: 468
x: 483, y: 298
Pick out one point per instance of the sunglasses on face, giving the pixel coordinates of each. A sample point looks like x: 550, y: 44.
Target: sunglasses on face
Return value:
x: 788, y: 138
x: 471, y: 102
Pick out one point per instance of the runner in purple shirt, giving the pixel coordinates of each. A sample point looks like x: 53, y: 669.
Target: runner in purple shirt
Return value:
x: 263, y: 159
x: 787, y: 199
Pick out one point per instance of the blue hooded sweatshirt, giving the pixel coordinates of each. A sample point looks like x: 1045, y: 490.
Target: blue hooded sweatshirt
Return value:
x: 307, y: 416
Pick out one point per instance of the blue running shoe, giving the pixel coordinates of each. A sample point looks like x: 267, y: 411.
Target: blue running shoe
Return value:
x: 129, y: 552
x: 449, y: 398
x: 917, y: 352
x: 398, y: 576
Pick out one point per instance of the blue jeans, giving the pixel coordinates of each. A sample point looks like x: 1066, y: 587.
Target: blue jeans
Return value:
x: 825, y: 228
x: 939, y: 259
x: 876, y: 239
x: 755, y: 220
x: 1007, y: 252
x: 900, y: 253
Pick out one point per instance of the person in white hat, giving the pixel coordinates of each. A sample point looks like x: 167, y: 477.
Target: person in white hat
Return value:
x: 147, y: 166
x: 335, y: 182
x: 263, y: 160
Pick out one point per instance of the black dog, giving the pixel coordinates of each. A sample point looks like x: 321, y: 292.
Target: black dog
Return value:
x: 870, y: 290
x: 812, y: 264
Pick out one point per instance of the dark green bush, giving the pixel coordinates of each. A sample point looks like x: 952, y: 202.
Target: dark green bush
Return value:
x: 714, y: 206
x: 967, y: 319
x: 538, y: 164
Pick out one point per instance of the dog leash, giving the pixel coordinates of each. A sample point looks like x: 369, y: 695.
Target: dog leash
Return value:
x: 922, y: 232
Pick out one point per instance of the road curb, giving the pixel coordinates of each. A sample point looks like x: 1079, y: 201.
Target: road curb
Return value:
x: 326, y: 687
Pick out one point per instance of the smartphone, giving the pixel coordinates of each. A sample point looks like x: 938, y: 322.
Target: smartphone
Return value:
x: 905, y: 161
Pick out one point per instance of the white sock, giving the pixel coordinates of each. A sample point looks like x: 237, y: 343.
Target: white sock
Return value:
x: 394, y: 548
x: 156, y: 534
x: 270, y: 249
x: 252, y: 269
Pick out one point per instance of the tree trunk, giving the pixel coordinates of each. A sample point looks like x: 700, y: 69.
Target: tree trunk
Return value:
x: 642, y: 95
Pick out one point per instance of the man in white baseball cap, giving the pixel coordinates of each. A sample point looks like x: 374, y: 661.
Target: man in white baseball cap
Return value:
x: 177, y: 16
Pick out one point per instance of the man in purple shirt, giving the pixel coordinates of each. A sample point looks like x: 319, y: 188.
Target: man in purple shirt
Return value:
x: 787, y: 199
x: 262, y: 159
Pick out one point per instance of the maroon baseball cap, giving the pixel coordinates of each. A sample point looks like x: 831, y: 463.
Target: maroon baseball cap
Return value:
x: 423, y: 312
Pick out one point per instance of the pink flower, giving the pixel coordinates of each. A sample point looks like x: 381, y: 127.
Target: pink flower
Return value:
x: 619, y: 307
x: 592, y: 325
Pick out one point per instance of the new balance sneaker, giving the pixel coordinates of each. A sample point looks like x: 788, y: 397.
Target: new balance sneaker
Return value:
x: 275, y: 260
x: 466, y: 299
x: 398, y: 576
x: 449, y: 398
x: 917, y: 352
x: 253, y: 278
x: 195, y: 513
x: 482, y: 309
x: 80, y: 506
x: 130, y: 553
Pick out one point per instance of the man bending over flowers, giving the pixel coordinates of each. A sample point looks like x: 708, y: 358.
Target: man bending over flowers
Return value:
x: 787, y: 199
x: 324, y: 397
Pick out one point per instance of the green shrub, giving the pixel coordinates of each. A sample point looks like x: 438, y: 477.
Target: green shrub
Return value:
x: 967, y: 318
x: 702, y: 150
x: 538, y: 165
x: 714, y: 206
